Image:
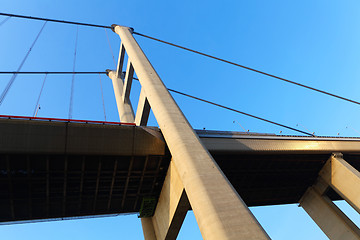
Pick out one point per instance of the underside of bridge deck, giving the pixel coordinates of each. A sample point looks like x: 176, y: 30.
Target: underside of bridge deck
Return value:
x: 53, y: 182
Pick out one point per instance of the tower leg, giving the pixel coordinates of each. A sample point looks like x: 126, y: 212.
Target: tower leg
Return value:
x: 332, y: 221
x: 343, y: 178
x: 148, y: 228
x: 171, y: 208
x: 218, y: 208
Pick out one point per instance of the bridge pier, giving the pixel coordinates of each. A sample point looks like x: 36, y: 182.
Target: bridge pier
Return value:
x: 219, y: 210
x: 148, y: 228
x: 345, y: 180
x: 171, y: 209
x: 122, y: 89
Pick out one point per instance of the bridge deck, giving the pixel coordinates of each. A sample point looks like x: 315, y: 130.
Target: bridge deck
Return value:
x: 61, y: 169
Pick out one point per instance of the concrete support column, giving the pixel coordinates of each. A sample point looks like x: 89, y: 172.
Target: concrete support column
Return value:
x: 125, y: 110
x: 343, y: 178
x: 332, y: 221
x: 171, y: 208
x: 148, y: 229
x: 219, y: 210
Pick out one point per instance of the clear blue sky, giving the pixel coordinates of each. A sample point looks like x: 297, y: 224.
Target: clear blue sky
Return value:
x: 312, y: 42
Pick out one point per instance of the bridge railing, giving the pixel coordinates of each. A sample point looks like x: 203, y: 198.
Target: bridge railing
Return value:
x: 62, y: 120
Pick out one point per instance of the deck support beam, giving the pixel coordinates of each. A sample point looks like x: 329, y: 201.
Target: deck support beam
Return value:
x: 331, y: 220
x: 219, y: 210
x: 171, y: 208
x: 344, y: 179
x: 148, y: 228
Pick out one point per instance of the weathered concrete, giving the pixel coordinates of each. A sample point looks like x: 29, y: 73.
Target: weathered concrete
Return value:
x: 171, y: 208
x: 343, y: 178
x: 332, y: 221
x: 219, y: 210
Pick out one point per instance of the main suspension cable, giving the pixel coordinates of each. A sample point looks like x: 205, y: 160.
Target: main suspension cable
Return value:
x: 55, y: 20
x: 248, y: 68
x: 8, y: 86
x: 73, y: 76
x: 238, y: 111
x: 190, y: 50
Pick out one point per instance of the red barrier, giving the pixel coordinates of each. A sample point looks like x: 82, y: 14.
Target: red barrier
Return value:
x: 64, y: 120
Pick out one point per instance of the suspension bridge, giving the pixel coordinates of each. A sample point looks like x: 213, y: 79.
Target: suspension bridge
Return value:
x: 63, y: 168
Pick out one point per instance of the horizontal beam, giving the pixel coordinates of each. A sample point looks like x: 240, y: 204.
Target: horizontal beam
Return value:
x: 63, y: 120
x: 236, y: 142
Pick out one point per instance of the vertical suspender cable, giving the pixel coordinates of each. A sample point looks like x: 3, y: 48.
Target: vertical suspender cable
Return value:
x: 111, y: 51
x: 4, y: 21
x: 8, y: 86
x: 38, y: 100
x: 73, y: 76
x: 102, y: 97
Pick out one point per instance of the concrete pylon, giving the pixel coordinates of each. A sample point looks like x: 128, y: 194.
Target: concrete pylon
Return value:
x: 345, y: 180
x: 219, y: 210
x: 171, y: 209
x: 121, y: 89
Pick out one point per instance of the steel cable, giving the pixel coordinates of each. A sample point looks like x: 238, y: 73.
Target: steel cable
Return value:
x: 38, y: 100
x: 248, y: 68
x: 4, y: 21
x: 193, y: 51
x: 11, y: 81
x: 238, y: 111
x: 73, y: 77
